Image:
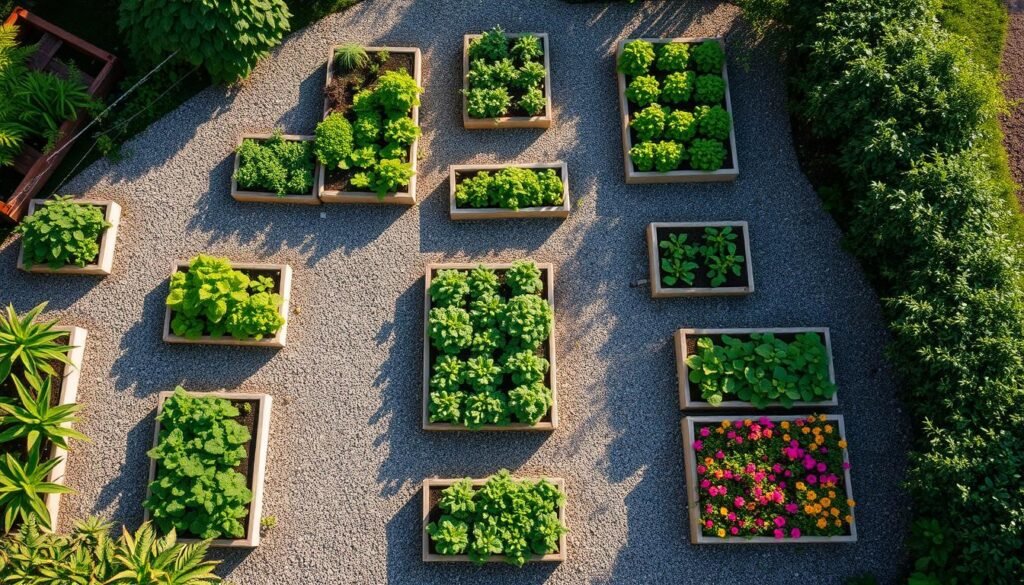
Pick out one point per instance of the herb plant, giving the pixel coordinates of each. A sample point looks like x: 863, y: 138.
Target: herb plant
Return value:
x: 197, y: 489
x: 506, y: 76
x: 636, y: 58
x: 505, y: 516
x: 349, y: 57
x: 715, y: 254
x: 334, y: 142
x: 276, y: 165
x: 62, y: 233
x: 511, y: 188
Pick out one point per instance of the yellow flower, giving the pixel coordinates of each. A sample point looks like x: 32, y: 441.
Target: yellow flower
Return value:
x: 849, y: 519
x: 822, y: 523
x: 720, y: 431
x: 838, y: 523
x: 747, y: 422
x: 817, y: 508
x: 800, y: 486
x: 784, y: 424
x: 842, y: 443
x: 816, y: 431
x: 831, y: 493
x: 811, y: 495
x: 805, y: 430
x: 812, y: 447
x: 721, y: 533
x: 786, y: 437
x: 819, y: 439
x: 809, y: 509
x: 811, y: 419
x: 828, y: 429
x: 825, y: 502
x: 834, y: 512
x: 851, y: 503
x: 725, y: 424
x: 724, y: 511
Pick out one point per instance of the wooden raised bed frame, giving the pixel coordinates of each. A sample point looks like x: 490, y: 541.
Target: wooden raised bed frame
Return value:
x: 660, y: 291
x: 470, y: 213
x: 265, y: 196
x: 407, y: 197
x: 548, y: 274
x: 104, y: 263
x: 693, y: 498
x: 258, y: 455
x: 68, y: 395
x: 682, y: 176
x: 429, y: 557
x: 31, y: 163
x: 277, y: 341
x: 542, y: 121
x: 687, y: 403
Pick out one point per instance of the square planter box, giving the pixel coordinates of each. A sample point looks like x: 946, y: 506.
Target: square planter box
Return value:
x: 283, y: 273
x: 407, y: 197
x: 686, y: 339
x: 104, y: 263
x: 265, y: 196
x: 634, y: 176
x: 432, y: 492
x: 258, y: 446
x: 548, y: 423
x: 745, y: 284
x: 542, y: 121
x: 68, y: 395
x: 456, y: 172
x: 693, y: 498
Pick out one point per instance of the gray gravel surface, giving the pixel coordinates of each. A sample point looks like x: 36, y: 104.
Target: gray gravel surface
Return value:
x: 347, y: 455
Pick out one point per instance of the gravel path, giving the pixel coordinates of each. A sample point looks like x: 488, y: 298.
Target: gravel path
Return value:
x: 346, y: 455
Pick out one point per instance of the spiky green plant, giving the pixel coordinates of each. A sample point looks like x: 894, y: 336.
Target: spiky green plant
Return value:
x: 30, y: 344
x: 35, y: 421
x: 147, y: 559
x: 350, y: 57
x: 22, y: 487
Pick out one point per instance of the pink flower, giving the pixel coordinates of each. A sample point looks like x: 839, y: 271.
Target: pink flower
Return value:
x: 759, y: 476
x: 822, y: 467
x: 782, y: 485
x: 779, y: 533
x: 738, y: 424
x: 823, y: 450
x: 728, y: 474
x: 712, y: 491
x: 759, y: 522
x: 765, y: 422
x: 787, y: 473
x: 739, y: 502
x: 709, y: 508
x: 719, y: 455
x: 771, y: 477
x: 734, y: 531
x: 708, y: 523
x: 739, y: 440
x: 812, y: 480
x: 809, y: 462
x: 795, y: 533
x: 701, y: 469
x: 731, y: 517
x: 792, y: 508
x: 779, y: 521
x: 777, y: 468
x: 705, y: 432
x: 731, y: 435
x: 698, y: 445
x: 705, y: 484
x: 777, y: 497
x: 750, y: 468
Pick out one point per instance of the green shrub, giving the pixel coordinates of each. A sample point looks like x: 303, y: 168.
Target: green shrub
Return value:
x: 334, y: 141
x: 226, y: 37
x: 528, y: 48
x: 680, y: 126
x: 709, y: 89
x: 668, y: 156
x: 530, y: 75
x: 643, y: 90
x: 511, y: 188
x: 678, y: 87
x: 533, y: 102
x: 276, y: 165
x: 707, y: 155
x: 636, y: 58
x: 62, y: 233
x: 642, y: 156
x: 709, y: 57
x: 714, y: 122
x: 673, y: 57
x: 350, y: 57
x: 488, y: 103
x: 649, y: 122
x: 491, y: 46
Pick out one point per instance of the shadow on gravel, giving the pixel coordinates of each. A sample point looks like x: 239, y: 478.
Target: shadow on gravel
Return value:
x: 301, y: 119
x: 42, y: 286
x: 126, y: 491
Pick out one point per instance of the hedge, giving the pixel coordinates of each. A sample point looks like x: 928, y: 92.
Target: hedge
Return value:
x: 898, y: 115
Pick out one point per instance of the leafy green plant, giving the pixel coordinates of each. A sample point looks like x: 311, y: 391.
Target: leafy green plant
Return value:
x: 397, y: 93
x: 22, y: 487
x: 401, y: 131
x: 533, y: 101
x: 491, y: 46
x: 62, y: 232
x: 334, y: 141
x: 714, y: 122
x: 350, y: 57
x: 649, y: 122
x: 450, y: 329
x: 527, y: 48
x: 642, y: 156
x: 643, y: 90
x: 672, y: 57
x: 636, y: 58
x: 196, y: 489
x: 388, y: 175
x: 28, y: 347
x: 707, y: 155
x: 511, y: 188
x: 505, y: 76
x: 516, y: 518
x: 719, y: 252
x: 277, y: 165
x: 488, y: 103
x: 529, y: 403
x: 31, y: 418
x: 677, y: 264
x: 709, y: 89
x: 678, y: 87
x: 449, y: 288
x: 680, y: 126
x: 483, y: 281
x: 709, y: 57
x: 482, y: 374
x: 527, y: 320
x: 367, y: 128
x: 524, y: 278
x: 529, y: 76
x: 668, y: 155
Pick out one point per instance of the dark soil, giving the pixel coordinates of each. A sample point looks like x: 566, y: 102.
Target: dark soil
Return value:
x: 517, y: 93
x: 9, y: 391
x: 695, y: 236
x: 1013, y: 88
x: 9, y: 181
x: 461, y: 176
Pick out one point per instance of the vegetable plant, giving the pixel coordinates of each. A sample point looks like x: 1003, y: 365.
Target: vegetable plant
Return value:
x: 506, y: 76
x: 334, y: 142
x: 643, y: 90
x: 276, y: 165
x: 715, y: 254
x: 27, y: 347
x: 707, y: 154
x: 719, y: 253
x: 636, y: 58
x: 511, y: 188
x: 197, y: 490
x: 62, y: 233
x: 649, y: 123
x: 506, y: 516
x: 708, y: 57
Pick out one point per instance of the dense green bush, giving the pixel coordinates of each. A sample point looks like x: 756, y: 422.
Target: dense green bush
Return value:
x: 334, y: 141
x: 511, y: 188
x: 505, y: 74
x: 895, y: 112
x: 276, y: 165
x: 62, y: 233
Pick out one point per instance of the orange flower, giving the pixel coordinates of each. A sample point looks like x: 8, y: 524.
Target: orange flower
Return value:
x: 725, y: 424
x: 819, y: 439
x: 851, y: 503
x: 834, y: 512
x: 817, y: 508
x: 747, y: 422
x: 708, y: 461
x: 800, y: 486
x: 842, y: 443
x: 822, y: 523
x: 816, y: 431
x: 810, y: 494
x: 826, y: 502
x: 812, y: 447
x: 723, y: 511
x: 838, y: 523
x: 720, y: 431
x: 831, y: 493
x: 828, y: 429
x: 786, y: 437
x: 811, y: 419
x: 849, y: 519
x: 805, y: 430
x: 809, y: 509
x: 785, y: 425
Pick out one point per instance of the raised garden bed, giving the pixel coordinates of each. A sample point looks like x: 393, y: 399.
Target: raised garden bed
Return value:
x: 682, y: 129
x: 690, y: 395
x: 718, y: 505
x: 543, y: 356
x: 333, y: 183
x: 516, y: 117
x: 103, y: 264
x: 460, y: 173
x: 57, y: 50
x: 70, y: 376
x: 254, y: 195
x: 279, y: 274
x: 720, y: 246
x: 432, y: 512
x: 254, y: 416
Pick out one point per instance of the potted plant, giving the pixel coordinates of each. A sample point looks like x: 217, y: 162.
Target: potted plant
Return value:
x: 676, y: 111
x: 795, y: 490
x: 507, y: 191
x: 765, y: 367
x: 367, y: 142
x: 489, y: 348
x: 203, y: 492
x: 461, y: 523
x: 67, y: 236
x: 692, y: 259
x: 214, y: 301
x: 506, y: 80
x: 275, y: 168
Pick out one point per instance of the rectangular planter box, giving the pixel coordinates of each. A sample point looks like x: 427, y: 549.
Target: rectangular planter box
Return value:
x: 688, y: 402
x: 277, y: 341
x: 548, y: 274
x: 104, y: 262
x: 660, y: 291
x: 541, y: 121
x: 431, y: 484
x: 267, y: 197
x: 407, y: 197
x: 98, y: 73
x: 683, y: 176
x: 470, y: 213
x: 693, y: 498
x: 68, y: 395
x: 258, y: 454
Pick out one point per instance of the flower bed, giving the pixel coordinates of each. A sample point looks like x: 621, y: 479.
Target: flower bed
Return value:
x: 506, y: 94
x: 228, y: 508
x: 793, y: 360
x: 776, y: 479
x: 448, y: 519
x: 264, y: 310
x: 490, y: 192
x: 700, y: 259
x: 90, y: 254
x: 676, y: 111
x: 484, y: 367
x: 364, y: 160
x: 268, y: 169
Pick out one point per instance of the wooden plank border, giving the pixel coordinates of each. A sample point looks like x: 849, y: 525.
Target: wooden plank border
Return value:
x: 470, y: 213
x: 542, y: 121
x: 104, y: 264
x: 310, y: 198
x: 659, y: 291
x: 68, y: 395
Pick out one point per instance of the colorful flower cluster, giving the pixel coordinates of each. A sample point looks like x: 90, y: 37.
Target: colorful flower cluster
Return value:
x: 777, y: 479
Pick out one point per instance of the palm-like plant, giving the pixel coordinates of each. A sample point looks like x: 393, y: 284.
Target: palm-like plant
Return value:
x: 22, y: 488
x: 146, y: 559
x: 35, y: 420
x: 30, y: 344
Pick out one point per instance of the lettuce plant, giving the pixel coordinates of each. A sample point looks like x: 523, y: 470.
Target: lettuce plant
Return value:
x: 482, y: 374
x: 649, y: 123
x: 529, y: 403
x: 533, y: 101
x: 62, y: 233
x: 636, y: 58
x: 678, y: 87
x: 488, y: 103
x: 275, y: 165
x: 450, y: 329
x: 483, y: 281
x: 527, y: 320
x: 530, y: 76
x: 668, y: 155
x: 511, y: 188
x: 709, y: 89
x: 334, y: 141
x: 449, y: 288
x: 504, y: 75
x: 487, y: 310
x: 642, y: 155
x: 402, y: 131
x: 643, y: 90
x: 672, y: 57
x: 681, y: 126
x: 714, y: 122
x: 706, y: 154
x: 709, y: 57
x: 397, y: 93
x: 526, y: 367
x: 524, y: 278
x: 368, y: 128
